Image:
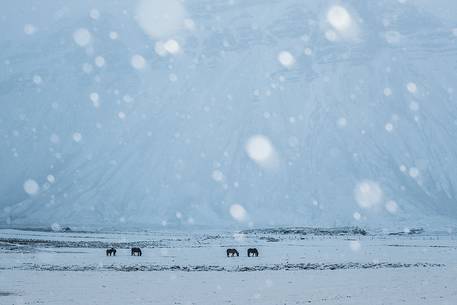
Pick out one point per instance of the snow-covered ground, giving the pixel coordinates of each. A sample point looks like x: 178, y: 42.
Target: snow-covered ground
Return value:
x: 191, y: 268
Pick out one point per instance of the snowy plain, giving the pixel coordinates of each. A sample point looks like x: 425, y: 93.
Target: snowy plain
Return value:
x: 192, y: 268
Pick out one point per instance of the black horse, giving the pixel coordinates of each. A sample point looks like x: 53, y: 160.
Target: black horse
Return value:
x: 111, y: 252
x: 253, y: 252
x: 232, y: 252
x: 136, y: 252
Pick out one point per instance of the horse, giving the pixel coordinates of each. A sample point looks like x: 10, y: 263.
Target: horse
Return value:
x: 232, y: 252
x: 253, y: 252
x: 111, y: 252
x: 136, y: 252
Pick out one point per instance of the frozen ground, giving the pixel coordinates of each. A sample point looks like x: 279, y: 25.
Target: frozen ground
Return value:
x: 191, y: 268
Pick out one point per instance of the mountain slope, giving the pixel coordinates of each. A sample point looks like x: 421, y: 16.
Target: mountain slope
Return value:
x: 229, y: 113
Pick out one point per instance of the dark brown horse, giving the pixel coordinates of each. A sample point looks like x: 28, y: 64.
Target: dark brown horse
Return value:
x: 232, y: 252
x: 111, y: 252
x: 253, y: 252
x: 136, y: 252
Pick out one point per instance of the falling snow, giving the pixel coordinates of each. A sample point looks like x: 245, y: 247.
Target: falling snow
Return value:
x: 217, y: 175
x: 172, y: 46
x: 94, y: 14
x: 391, y: 207
x: 389, y: 127
x: 238, y: 212
x: 95, y: 99
x: 286, y: 59
x: 387, y: 91
x: 357, y: 216
x: 99, y: 61
x: 160, y: 48
x: 412, y: 87
x: 161, y: 18
x: 113, y: 35
x: 29, y: 29
x: 414, y: 172
x: 342, y: 122
x: 138, y: 62
x: 260, y: 149
x: 77, y: 137
x: 82, y: 37
x: 331, y: 35
x: 51, y: 179
x: 37, y: 79
x: 339, y: 18
x: 31, y: 187
x: 368, y: 194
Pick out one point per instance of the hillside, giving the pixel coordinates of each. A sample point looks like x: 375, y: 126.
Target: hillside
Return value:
x: 228, y: 113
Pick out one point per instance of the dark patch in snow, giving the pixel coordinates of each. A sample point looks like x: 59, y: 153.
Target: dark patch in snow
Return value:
x: 409, y: 232
x: 11, y: 242
x: 420, y: 246
x: 64, y: 229
x: 196, y: 268
x: 269, y: 239
x: 6, y: 293
x: 338, y: 231
x: 16, y: 248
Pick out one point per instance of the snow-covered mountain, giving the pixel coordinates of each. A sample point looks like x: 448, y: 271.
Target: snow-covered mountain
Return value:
x: 210, y: 112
